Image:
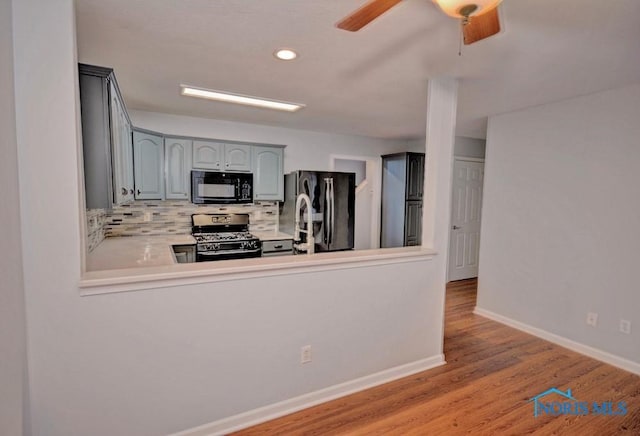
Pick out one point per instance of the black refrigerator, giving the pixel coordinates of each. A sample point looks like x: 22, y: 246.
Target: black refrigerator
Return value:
x: 332, y: 197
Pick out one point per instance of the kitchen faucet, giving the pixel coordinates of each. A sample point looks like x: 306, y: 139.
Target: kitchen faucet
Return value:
x: 310, y: 244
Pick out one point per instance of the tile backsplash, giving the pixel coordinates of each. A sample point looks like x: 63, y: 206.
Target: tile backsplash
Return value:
x: 174, y: 217
x: 96, y: 219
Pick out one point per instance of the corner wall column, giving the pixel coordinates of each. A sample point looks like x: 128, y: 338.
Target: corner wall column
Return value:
x: 442, y: 104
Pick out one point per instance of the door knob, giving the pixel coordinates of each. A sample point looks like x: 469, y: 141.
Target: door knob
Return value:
x: 456, y: 228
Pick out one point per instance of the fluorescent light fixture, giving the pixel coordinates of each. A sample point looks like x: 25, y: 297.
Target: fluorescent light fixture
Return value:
x: 285, y: 54
x: 191, y: 91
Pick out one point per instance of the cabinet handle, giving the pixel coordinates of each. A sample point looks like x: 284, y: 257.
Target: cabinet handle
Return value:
x: 138, y: 192
x: 277, y: 246
x: 131, y: 191
x: 456, y: 228
x: 124, y: 191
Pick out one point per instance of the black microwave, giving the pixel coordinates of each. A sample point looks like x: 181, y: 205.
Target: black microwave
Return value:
x: 209, y: 187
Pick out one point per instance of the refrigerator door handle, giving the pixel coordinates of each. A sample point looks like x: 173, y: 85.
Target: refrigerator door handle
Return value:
x: 333, y: 212
x: 325, y: 213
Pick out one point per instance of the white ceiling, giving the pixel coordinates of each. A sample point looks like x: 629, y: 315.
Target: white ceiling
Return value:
x: 372, y: 82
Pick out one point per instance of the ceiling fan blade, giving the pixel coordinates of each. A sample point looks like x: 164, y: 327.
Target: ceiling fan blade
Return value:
x: 366, y: 14
x: 481, y: 26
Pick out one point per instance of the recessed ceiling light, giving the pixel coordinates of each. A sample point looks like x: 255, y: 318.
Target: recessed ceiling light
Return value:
x: 210, y: 94
x: 285, y: 54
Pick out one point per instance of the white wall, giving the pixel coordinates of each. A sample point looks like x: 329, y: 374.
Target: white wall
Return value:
x: 463, y: 146
x: 469, y: 147
x: 13, y: 362
x: 560, y: 220
x: 305, y: 150
x: 162, y: 360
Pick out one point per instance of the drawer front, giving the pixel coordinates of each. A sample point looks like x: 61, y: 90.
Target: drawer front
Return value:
x: 280, y: 246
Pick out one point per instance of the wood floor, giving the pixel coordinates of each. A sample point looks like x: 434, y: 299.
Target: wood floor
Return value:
x: 492, y: 371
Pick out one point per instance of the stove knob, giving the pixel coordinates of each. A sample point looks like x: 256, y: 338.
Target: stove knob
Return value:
x: 215, y: 246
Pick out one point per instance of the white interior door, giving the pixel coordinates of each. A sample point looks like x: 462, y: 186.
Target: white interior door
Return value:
x: 466, y: 209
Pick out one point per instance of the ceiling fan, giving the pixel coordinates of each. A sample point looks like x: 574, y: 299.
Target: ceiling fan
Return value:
x: 479, y: 17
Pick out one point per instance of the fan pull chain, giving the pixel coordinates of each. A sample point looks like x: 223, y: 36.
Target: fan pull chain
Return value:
x: 461, y: 37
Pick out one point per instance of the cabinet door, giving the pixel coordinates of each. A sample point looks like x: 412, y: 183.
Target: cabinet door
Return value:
x: 415, y: 176
x: 148, y: 159
x: 237, y: 157
x: 177, y: 158
x: 121, y: 161
x: 126, y: 147
x: 413, y: 223
x: 268, y: 178
x: 208, y: 155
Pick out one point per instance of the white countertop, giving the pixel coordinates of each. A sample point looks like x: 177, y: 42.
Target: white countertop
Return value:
x: 130, y: 278
x: 144, y: 251
x: 143, y: 262
x: 135, y: 251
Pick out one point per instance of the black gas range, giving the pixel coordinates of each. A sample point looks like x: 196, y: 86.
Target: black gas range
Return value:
x: 223, y: 236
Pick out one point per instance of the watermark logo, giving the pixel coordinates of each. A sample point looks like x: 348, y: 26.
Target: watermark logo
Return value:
x: 568, y: 405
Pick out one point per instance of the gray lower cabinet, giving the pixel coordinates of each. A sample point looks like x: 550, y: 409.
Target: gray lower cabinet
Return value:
x: 402, y: 192
x: 280, y: 247
x: 267, y: 168
x: 148, y: 166
x: 106, y: 138
x: 184, y: 253
x: 217, y: 156
x: 177, y: 168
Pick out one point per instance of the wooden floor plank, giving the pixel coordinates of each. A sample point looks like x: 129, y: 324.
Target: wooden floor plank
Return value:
x: 492, y: 372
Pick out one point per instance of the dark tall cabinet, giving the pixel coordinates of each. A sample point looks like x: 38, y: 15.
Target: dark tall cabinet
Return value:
x: 402, y: 192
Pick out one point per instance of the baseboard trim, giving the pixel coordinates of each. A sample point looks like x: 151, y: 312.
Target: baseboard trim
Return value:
x: 578, y: 347
x: 276, y: 410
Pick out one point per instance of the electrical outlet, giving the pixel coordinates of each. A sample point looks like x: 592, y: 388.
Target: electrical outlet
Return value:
x: 148, y: 216
x: 592, y: 319
x: 305, y: 354
x: 625, y: 326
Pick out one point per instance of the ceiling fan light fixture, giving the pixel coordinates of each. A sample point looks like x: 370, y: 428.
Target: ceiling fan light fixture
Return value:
x: 466, y: 8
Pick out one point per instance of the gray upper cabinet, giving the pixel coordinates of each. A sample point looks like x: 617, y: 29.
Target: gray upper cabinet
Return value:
x: 415, y: 176
x: 122, y: 164
x: 122, y: 152
x: 208, y: 155
x: 237, y: 157
x: 106, y: 138
x: 177, y: 161
x: 267, y: 168
x: 148, y: 164
x: 217, y: 156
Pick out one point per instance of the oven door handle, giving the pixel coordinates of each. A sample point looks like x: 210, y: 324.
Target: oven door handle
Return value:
x: 218, y: 253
